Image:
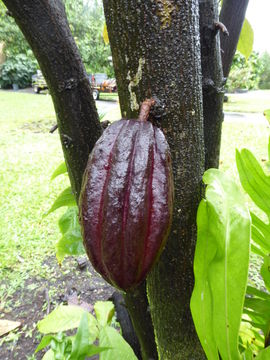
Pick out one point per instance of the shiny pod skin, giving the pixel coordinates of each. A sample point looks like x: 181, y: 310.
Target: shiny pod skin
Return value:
x: 126, y: 201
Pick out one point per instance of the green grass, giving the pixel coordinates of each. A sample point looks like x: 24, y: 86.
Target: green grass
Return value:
x: 28, y: 156
x: 253, y: 101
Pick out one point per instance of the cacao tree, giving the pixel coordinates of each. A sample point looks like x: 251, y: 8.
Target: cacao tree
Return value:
x: 169, y: 50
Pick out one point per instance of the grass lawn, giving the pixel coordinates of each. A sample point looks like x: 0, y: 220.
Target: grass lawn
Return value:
x: 28, y: 156
x: 253, y: 101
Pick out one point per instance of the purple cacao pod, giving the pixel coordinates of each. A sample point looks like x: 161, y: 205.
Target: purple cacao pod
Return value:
x: 126, y: 201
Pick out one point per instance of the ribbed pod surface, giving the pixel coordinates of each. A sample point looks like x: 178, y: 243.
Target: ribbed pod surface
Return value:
x: 126, y: 201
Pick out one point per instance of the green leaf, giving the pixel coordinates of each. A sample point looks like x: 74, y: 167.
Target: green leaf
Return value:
x: 81, y: 340
x: 260, y: 233
x: 66, y: 198
x: 69, y: 220
x: 258, y: 293
x: 265, y: 272
x: 264, y: 354
x: 248, y: 355
x: 49, y: 355
x: 71, y: 242
x: 119, y: 348
x: 94, y: 350
x: 257, y: 307
x: 44, y: 342
x: 253, y: 179
x: 266, y: 113
x: 61, y: 169
x: 250, y: 338
x: 257, y: 184
x: 245, y: 43
x: 104, y: 312
x: 257, y: 251
x: 66, y: 318
x: 220, y: 266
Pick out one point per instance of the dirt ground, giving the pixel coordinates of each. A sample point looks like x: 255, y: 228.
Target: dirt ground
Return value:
x: 37, y: 297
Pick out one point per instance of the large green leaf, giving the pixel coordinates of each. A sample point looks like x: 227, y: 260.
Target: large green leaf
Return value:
x: 245, y: 43
x: 66, y: 318
x: 119, y: 348
x: 220, y: 266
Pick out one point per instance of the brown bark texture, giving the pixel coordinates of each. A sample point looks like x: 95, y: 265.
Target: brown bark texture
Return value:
x: 156, y: 53
x: 45, y: 27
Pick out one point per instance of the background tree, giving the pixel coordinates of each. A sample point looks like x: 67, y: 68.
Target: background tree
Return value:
x: 86, y: 22
x: 156, y: 51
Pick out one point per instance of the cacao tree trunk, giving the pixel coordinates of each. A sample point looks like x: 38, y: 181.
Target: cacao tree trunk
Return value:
x: 156, y: 52
x: 45, y: 27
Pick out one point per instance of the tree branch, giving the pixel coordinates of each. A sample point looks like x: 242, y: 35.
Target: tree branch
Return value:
x: 45, y: 27
x: 232, y: 15
x: 213, y: 83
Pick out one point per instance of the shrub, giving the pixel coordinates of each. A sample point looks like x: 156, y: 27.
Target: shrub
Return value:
x: 265, y: 75
x: 17, y: 70
x: 245, y: 74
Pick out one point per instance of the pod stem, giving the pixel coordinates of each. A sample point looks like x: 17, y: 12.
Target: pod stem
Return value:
x: 145, y: 109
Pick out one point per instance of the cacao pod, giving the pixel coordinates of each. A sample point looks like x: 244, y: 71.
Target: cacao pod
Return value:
x: 126, y: 201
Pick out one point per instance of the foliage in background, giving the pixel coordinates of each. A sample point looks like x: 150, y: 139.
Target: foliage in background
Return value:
x: 245, y: 74
x: 86, y: 20
x: 12, y: 36
x: 17, y: 70
x: 265, y: 75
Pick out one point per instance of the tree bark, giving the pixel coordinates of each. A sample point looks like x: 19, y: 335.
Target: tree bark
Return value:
x: 156, y: 52
x: 45, y: 27
x: 213, y: 81
x: 232, y: 15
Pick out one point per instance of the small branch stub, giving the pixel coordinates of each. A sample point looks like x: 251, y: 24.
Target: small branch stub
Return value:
x: 219, y: 26
x: 145, y: 109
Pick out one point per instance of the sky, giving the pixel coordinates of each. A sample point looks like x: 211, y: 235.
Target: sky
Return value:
x: 258, y: 14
